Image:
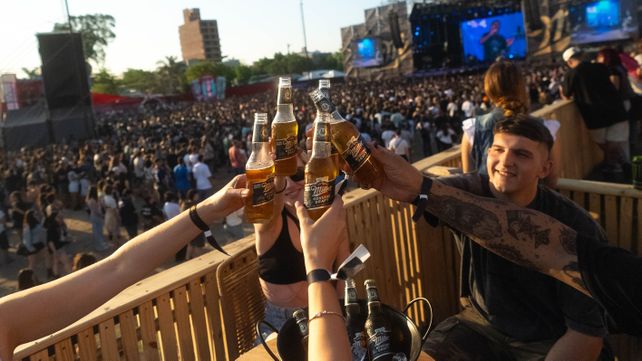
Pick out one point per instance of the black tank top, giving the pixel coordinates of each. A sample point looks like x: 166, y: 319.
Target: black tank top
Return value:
x: 283, y: 264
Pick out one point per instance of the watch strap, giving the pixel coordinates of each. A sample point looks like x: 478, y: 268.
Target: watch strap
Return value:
x: 318, y: 275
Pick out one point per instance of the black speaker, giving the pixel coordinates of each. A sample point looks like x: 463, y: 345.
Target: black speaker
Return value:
x: 395, y: 33
x: 64, y: 71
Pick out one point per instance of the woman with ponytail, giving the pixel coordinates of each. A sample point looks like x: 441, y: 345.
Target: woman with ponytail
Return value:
x: 505, y: 86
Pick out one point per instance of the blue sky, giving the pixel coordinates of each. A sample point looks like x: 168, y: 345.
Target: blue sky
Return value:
x: 147, y: 31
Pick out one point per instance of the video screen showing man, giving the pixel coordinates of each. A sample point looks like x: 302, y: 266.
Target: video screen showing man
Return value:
x: 495, y: 44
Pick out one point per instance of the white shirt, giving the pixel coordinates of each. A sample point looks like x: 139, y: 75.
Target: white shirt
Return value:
x: 399, y: 146
x: 109, y: 202
x: 171, y: 210
x: 468, y: 126
x: 386, y: 136
x: 446, y: 136
x: 202, y: 175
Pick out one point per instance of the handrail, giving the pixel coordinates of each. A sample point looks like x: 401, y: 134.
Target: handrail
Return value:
x: 611, y: 189
x: 138, y: 293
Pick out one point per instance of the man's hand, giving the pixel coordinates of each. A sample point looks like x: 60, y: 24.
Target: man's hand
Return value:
x: 320, y: 240
x: 401, y: 181
x: 227, y: 200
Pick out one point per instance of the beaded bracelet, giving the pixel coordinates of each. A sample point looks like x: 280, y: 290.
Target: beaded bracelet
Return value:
x: 324, y: 313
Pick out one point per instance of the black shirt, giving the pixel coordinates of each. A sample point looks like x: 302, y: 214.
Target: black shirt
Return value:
x: 494, y: 47
x: 614, y: 277
x: 522, y: 303
x: 599, y: 102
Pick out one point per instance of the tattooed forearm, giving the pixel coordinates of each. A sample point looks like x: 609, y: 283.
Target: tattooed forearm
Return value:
x: 568, y: 240
x: 466, y: 217
x: 512, y: 254
x: 522, y: 227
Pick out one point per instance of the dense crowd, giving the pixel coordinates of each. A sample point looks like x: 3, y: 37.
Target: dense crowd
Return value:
x: 147, y: 164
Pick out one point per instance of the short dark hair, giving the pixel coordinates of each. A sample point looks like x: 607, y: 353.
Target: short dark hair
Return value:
x: 525, y: 126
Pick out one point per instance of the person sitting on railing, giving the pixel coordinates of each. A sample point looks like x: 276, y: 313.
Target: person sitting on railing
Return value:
x: 23, y: 316
x: 505, y: 85
x: 281, y: 266
x: 535, y: 315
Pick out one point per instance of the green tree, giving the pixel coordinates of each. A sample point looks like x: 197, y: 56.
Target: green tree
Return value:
x: 142, y: 81
x: 243, y: 73
x: 32, y: 73
x: 171, y: 75
x: 204, y: 68
x: 97, y: 32
x: 105, y: 82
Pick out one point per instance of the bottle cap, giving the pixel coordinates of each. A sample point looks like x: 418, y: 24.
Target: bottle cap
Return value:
x: 370, y: 283
x: 299, y: 314
x: 285, y: 81
x: 260, y: 118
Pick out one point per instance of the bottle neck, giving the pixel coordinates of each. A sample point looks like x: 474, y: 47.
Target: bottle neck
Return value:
x: 374, y: 307
x: 321, y: 149
x: 284, y: 113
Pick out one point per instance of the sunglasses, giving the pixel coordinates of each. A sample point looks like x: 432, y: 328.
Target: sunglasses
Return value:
x: 299, y: 175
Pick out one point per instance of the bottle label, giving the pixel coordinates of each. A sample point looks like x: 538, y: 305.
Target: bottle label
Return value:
x: 358, y: 347
x: 379, y: 344
x: 263, y: 192
x: 319, y: 193
x: 321, y: 102
x: 351, y: 295
x: 285, y: 147
x: 260, y: 134
x: 356, y: 153
x: 372, y: 294
x: 285, y: 96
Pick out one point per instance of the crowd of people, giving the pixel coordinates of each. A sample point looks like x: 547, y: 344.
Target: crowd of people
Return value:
x: 147, y: 165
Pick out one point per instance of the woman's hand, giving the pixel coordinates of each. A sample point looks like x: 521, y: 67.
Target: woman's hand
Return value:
x: 320, y: 240
x: 227, y: 200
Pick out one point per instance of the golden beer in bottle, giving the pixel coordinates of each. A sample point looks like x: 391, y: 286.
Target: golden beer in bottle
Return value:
x: 324, y: 87
x: 348, y: 141
x: 284, y: 131
x: 320, y: 172
x: 259, y: 171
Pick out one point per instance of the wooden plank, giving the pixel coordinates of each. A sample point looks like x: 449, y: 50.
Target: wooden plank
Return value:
x: 87, y: 345
x: 213, y: 307
x: 148, y: 331
x: 595, y: 207
x: 578, y: 198
x: 197, y: 306
x: 626, y: 223
x: 611, y: 189
x: 65, y: 351
x: 108, y: 345
x: 128, y: 326
x: 183, y: 326
x: 166, y: 327
x: 566, y: 193
x: 42, y: 355
x: 610, y: 212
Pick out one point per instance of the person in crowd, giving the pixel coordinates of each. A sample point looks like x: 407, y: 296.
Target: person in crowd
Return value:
x: 73, y: 179
x: 22, y: 315
x: 237, y: 157
x: 203, y: 178
x: 182, y: 180
x: 600, y: 104
x: 5, y: 258
x: 399, y: 145
x: 536, y: 316
x: 82, y: 260
x: 195, y: 247
x: 505, y: 86
x: 112, y: 218
x: 32, y: 238
x: 128, y: 214
x: 27, y: 279
x: 97, y: 219
x: 57, y: 237
x: 150, y: 213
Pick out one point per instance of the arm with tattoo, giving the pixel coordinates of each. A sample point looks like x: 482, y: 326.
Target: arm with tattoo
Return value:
x: 524, y: 236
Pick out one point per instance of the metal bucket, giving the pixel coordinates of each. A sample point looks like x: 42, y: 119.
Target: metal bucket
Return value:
x: 405, y: 335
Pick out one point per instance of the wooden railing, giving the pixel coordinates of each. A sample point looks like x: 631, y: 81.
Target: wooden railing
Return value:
x: 176, y: 314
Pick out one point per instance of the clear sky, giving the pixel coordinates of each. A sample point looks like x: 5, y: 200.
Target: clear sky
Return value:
x: 147, y: 30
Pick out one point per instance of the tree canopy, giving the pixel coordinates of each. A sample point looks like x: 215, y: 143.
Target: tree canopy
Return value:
x: 97, y: 31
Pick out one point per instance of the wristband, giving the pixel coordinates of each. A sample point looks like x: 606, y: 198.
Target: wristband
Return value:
x: 198, y: 222
x: 422, y: 199
x: 318, y: 275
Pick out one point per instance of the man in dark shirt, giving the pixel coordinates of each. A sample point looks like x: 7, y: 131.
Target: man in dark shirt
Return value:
x: 494, y: 43
x: 514, y: 312
x: 599, y: 103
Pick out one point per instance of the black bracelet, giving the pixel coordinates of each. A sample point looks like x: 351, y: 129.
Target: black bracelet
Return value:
x: 318, y: 275
x: 422, y: 199
x: 198, y: 222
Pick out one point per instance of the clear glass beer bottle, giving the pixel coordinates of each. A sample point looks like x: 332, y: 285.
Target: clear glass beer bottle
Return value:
x: 259, y: 170
x: 285, y: 130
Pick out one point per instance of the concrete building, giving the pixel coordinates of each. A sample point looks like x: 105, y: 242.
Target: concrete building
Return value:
x: 199, y: 38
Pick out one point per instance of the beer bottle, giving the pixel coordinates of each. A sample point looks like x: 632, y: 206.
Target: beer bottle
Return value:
x: 378, y: 327
x: 302, y: 321
x: 349, y: 143
x: 320, y: 172
x: 354, y: 322
x: 284, y: 131
x: 259, y: 170
x: 324, y: 87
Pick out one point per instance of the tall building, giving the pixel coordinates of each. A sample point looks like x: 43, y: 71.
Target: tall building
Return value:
x: 199, y: 38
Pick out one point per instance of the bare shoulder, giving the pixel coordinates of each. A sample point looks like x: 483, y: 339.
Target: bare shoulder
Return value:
x: 7, y: 344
